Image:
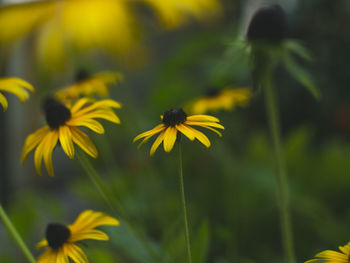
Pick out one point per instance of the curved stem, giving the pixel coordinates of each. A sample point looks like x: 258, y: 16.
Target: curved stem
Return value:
x: 183, y: 201
x: 17, y: 237
x: 282, y: 181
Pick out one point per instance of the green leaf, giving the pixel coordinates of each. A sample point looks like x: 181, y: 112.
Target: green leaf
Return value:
x: 300, y: 74
x: 298, y: 49
x: 201, y: 242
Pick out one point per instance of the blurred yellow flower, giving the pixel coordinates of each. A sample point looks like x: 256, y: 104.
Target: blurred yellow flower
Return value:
x: 17, y: 86
x: 173, y: 13
x: 330, y: 256
x: 60, y: 239
x: 62, y: 123
x: 215, y: 100
x: 177, y: 120
x: 69, y: 26
x: 88, y: 86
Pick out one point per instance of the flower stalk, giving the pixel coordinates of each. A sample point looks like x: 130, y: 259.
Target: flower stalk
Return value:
x: 16, y: 236
x: 183, y: 201
x: 282, y: 180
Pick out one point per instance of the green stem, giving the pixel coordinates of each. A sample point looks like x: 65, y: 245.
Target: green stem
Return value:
x: 11, y: 228
x: 183, y: 201
x: 283, y: 189
x: 115, y: 207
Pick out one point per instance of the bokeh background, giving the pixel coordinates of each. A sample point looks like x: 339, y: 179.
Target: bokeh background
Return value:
x: 230, y: 187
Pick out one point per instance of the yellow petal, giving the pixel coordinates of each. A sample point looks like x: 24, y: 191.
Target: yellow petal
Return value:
x: 22, y: 83
x: 169, y: 138
x: 89, y: 123
x: 49, y: 256
x: 90, y: 234
x: 80, y: 103
x: 157, y: 142
x: 201, y: 137
x: 212, y: 129
x: 211, y: 124
x: 84, y: 142
x: 99, y: 105
x: 62, y: 257
x: 14, y: 86
x: 106, y: 114
x: 33, y: 140
x: 50, y: 143
x: 186, y: 131
x: 202, y: 118
x: 38, y: 155
x: 65, y: 137
x: 152, y: 132
x: 75, y: 253
x: 3, y: 102
x: 41, y: 244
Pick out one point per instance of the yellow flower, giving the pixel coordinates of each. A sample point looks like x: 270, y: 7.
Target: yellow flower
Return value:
x: 60, y: 239
x: 62, y: 124
x: 330, y: 256
x: 175, y: 12
x: 96, y: 84
x: 226, y: 99
x: 16, y: 86
x: 177, y: 120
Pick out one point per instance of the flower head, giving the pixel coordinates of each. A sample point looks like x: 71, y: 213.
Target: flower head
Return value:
x: 62, y: 125
x: 60, y: 239
x: 17, y: 86
x: 330, y: 256
x: 214, y: 100
x: 177, y: 120
x: 88, y: 86
x: 268, y: 24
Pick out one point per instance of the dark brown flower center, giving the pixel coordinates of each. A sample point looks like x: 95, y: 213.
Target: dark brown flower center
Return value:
x: 56, y: 113
x: 268, y: 24
x: 57, y: 235
x: 212, y: 92
x: 81, y: 75
x: 173, y: 117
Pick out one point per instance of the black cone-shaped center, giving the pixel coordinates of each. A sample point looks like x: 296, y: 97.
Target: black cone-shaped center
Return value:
x: 57, y: 235
x: 81, y: 75
x: 212, y: 92
x: 56, y: 113
x: 268, y: 24
x: 173, y: 117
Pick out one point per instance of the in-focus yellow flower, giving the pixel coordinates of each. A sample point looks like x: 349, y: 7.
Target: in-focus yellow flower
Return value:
x: 175, y: 12
x: 62, y: 123
x: 88, y: 86
x: 177, y: 120
x: 16, y: 86
x: 215, y: 100
x: 61, y: 239
x: 330, y: 256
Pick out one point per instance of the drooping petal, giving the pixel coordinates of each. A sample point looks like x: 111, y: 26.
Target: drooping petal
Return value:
x: 51, y: 141
x: 200, y: 136
x: 3, y: 102
x: 152, y: 132
x: 186, y: 131
x: 157, y: 142
x: 33, y: 140
x: 84, y: 142
x: 49, y: 256
x: 20, y: 92
x: 41, y: 244
x: 76, y: 254
x: 211, y: 124
x: 65, y: 137
x: 212, y: 129
x: 169, y: 138
x: 89, y: 234
x: 80, y: 103
x: 86, y: 122
x: 202, y: 118
x: 61, y: 256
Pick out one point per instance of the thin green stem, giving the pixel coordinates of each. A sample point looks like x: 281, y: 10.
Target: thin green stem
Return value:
x: 283, y: 189
x: 183, y: 201
x: 17, y: 237
x: 112, y: 203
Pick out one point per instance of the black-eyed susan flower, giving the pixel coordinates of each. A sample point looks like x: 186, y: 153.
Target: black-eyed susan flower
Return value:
x: 62, y: 125
x: 176, y: 120
x: 16, y: 86
x: 330, y: 256
x: 215, y: 100
x: 61, y: 239
x: 88, y: 86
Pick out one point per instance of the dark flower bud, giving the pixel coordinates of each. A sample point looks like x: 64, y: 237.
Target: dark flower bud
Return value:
x: 57, y: 235
x: 174, y: 117
x: 81, y: 75
x: 56, y: 113
x: 268, y: 24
